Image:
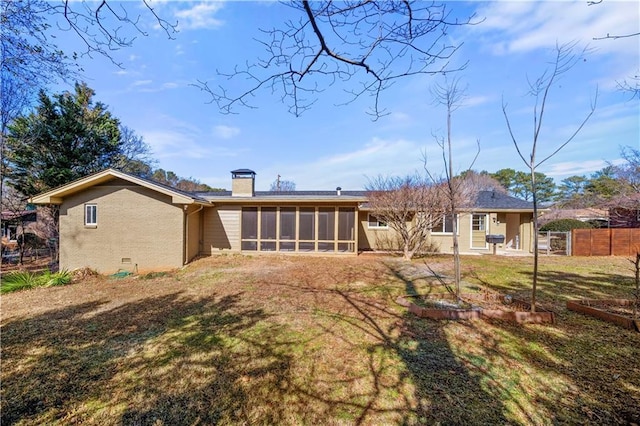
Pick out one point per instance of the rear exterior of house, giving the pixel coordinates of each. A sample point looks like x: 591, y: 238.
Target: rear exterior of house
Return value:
x: 113, y: 221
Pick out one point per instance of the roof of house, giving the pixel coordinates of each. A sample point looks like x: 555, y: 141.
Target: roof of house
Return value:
x: 56, y: 195
x: 485, y: 200
x: 11, y: 215
x: 284, y: 196
x: 497, y: 201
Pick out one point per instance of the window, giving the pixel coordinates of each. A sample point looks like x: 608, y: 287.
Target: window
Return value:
x: 9, y: 232
x: 268, y: 229
x: 346, y: 223
x: 478, y: 222
x: 375, y: 223
x: 249, y: 233
x: 326, y: 228
x: 298, y: 229
x: 287, y: 228
x: 307, y: 229
x: 90, y: 215
x: 445, y: 226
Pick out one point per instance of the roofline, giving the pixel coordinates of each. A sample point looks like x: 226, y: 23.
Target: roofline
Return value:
x: 286, y: 199
x: 57, y: 195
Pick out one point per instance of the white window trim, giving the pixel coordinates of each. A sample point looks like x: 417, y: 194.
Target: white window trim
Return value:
x: 378, y: 223
x: 451, y: 232
x: 86, y: 215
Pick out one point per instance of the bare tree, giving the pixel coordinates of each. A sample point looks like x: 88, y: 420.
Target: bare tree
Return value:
x: 459, y: 195
x: 411, y: 206
x: 280, y: 185
x: 135, y: 154
x: 373, y: 42
x: 475, y: 182
x: 630, y: 85
x: 540, y: 89
x: 14, y: 206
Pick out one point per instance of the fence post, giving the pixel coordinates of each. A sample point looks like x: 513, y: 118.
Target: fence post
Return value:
x: 568, y: 245
x: 548, y: 243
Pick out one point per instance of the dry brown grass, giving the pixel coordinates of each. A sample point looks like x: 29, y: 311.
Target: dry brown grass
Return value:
x: 314, y: 340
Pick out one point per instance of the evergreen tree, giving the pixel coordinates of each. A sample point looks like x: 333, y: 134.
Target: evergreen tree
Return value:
x: 67, y: 137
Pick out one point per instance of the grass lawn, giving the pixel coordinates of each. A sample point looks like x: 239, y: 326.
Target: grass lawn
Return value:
x: 311, y: 340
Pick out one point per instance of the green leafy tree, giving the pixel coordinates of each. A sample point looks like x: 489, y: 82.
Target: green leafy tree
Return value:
x: 68, y: 136
x: 518, y: 184
x: 506, y: 177
x: 604, y: 184
x: 572, y: 188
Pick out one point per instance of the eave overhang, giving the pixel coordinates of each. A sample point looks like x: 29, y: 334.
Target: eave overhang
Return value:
x: 57, y: 195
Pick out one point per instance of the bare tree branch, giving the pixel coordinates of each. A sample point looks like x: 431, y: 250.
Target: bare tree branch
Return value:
x: 104, y: 28
x: 372, y: 42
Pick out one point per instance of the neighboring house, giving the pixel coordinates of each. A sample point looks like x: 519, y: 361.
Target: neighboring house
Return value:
x: 112, y: 220
x: 16, y: 223
x: 590, y: 214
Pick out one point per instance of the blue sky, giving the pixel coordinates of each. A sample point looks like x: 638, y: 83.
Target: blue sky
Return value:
x: 332, y: 145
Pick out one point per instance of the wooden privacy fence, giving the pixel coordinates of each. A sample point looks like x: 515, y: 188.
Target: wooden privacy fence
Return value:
x: 605, y: 242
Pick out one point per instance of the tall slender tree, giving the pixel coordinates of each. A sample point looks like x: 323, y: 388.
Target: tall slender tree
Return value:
x: 451, y: 95
x: 540, y: 89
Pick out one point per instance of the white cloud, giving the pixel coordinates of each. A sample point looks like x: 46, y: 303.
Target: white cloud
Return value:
x: 560, y: 171
x: 524, y: 26
x: 474, y: 101
x: 201, y: 15
x: 178, y: 139
x: 141, y: 83
x: 351, y: 169
x: 226, y: 132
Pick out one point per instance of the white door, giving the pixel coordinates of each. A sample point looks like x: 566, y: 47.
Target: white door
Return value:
x: 478, y: 231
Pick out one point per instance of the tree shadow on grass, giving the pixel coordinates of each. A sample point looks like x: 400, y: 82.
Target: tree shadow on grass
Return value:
x: 390, y: 367
x: 311, y: 349
x: 449, y: 393
x: 583, y: 371
x: 144, y: 361
x: 557, y: 287
x: 580, y: 370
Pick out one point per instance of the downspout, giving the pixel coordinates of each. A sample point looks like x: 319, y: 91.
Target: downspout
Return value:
x: 186, y: 233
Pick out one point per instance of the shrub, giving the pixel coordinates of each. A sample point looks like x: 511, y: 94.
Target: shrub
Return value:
x: 18, y: 280
x: 51, y: 279
x: 22, y: 280
x: 565, y: 225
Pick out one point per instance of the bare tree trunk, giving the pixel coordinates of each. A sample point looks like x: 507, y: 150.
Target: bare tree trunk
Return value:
x: 534, y: 286
x: 453, y: 194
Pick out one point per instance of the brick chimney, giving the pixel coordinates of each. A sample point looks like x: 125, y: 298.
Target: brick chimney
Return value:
x: 243, y: 183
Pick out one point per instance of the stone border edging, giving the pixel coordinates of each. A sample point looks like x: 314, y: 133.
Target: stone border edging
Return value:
x: 519, y: 317
x: 580, y: 307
